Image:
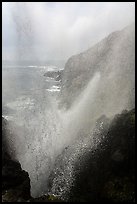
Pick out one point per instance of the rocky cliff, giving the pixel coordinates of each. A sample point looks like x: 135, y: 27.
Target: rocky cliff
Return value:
x: 114, y: 58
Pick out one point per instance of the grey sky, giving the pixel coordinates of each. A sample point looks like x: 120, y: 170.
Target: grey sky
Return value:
x: 53, y: 30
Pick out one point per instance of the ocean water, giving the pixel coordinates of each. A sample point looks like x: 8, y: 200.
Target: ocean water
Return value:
x: 24, y: 86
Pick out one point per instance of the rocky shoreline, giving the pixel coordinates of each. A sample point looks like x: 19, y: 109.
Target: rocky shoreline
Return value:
x: 107, y: 175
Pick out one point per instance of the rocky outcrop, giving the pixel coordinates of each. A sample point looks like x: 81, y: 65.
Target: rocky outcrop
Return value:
x: 114, y: 58
x: 57, y: 75
x: 15, y: 181
x: 108, y: 173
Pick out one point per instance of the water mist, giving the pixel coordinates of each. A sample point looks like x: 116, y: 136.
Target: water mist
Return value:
x: 41, y: 134
x: 39, y: 138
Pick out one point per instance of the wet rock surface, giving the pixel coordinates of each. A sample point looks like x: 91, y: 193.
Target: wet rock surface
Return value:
x: 15, y: 181
x: 109, y: 173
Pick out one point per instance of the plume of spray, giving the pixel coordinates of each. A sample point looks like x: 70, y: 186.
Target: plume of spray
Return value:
x: 79, y: 118
x: 40, y: 136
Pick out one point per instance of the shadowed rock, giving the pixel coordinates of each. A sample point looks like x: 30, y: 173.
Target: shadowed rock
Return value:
x: 109, y: 173
x: 15, y: 181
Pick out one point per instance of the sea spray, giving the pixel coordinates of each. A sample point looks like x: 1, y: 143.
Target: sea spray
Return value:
x: 40, y: 136
x: 79, y: 117
x: 55, y: 131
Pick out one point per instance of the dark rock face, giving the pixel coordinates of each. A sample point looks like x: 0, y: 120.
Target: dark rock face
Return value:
x: 15, y: 181
x: 114, y: 58
x: 108, y: 174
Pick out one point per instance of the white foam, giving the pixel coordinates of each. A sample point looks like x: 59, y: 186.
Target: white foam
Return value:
x: 7, y: 117
x: 21, y: 103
